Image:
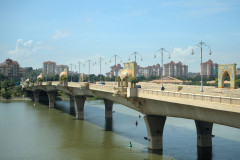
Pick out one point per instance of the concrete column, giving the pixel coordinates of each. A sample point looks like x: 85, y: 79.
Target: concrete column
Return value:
x: 204, y: 133
x: 72, y: 102
x: 80, y: 100
x: 51, y: 98
x: 155, y: 125
x: 108, y: 108
x: 36, y: 96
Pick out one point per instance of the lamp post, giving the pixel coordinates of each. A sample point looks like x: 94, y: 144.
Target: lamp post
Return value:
x: 71, y: 71
x: 79, y: 63
x: 201, y: 45
x: 100, y: 60
x: 89, y: 61
x: 115, y: 58
x: 162, y: 51
x: 135, y: 54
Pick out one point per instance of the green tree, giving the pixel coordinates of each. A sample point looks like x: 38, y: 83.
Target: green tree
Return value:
x: 6, y: 94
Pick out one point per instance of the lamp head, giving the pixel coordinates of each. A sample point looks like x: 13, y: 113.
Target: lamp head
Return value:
x: 210, y: 52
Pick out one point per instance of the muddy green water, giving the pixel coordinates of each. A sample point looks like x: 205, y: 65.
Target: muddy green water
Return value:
x: 29, y: 131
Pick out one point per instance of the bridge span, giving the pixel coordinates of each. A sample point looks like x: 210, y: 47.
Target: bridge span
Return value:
x: 155, y: 104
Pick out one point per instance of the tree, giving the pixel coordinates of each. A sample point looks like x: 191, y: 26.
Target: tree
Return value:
x: 6, y: 94
x: 6, y: 84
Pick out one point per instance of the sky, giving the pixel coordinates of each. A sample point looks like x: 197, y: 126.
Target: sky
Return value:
x: 68, y: 32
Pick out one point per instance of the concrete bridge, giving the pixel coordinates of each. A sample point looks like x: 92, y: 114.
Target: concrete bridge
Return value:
x: 156, y: 105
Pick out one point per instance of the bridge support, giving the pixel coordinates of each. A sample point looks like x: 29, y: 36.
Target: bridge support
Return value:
x: 36, y: 96
x: 80, y: 100
x: 72, y: 102
x: 204, y: 133
x: 51, y: 98
x: 108, y: 108
x: 155, y: 125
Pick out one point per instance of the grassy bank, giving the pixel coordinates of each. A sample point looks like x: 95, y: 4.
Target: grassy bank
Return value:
x: 15, y: 99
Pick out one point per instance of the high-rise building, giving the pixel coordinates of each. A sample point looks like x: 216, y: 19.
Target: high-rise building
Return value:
x: 154, y: 70
x: 114, y: 70
x: 60, y: 68
x: 238, y: 71
x: 11, y: 69
x: 49, y: 67
x: 175, y: 69
x: 209, y: 69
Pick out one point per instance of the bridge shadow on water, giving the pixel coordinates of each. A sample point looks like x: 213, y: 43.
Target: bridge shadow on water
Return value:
x: 178, y: 142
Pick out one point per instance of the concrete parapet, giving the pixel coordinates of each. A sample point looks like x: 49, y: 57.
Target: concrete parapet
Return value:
x: 155, y: 125
x: 132, y: 92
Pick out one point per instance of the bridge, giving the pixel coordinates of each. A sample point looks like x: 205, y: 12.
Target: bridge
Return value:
x: 205, y: 108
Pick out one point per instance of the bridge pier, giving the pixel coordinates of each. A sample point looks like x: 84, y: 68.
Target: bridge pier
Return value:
x: 72, y: 102
x: 80, y: 100
x: 155, y: 125
x: 204, y: 133
x: 36, y: 96
x: 108, y: 108
x: 51, y: 98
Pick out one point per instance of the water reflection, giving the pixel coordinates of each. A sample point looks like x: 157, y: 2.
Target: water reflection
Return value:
x: 108, y: 124
x: 79, y: 139
x: 204, y: 153
x: 155, y: 152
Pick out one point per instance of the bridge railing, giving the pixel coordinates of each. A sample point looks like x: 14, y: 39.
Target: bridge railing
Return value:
x: 105, y: 88
x: 200, y: 97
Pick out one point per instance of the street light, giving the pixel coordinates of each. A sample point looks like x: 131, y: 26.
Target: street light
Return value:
x: 162, y: 50
x: 71, y: 71
x: 135, y: 54
x: 201, y: 45
x: 115, y: 57
x: 100, y: 60
x: 89, y: 61
x: 79, y: 63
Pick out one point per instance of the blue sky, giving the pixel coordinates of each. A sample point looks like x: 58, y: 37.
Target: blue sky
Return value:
x: 66, y: 32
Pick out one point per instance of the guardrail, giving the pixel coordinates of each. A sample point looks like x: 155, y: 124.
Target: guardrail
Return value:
x: 100, y: 87
x: 200, y: 97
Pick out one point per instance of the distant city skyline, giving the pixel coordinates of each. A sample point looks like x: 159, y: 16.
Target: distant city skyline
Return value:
x: 33, y: 32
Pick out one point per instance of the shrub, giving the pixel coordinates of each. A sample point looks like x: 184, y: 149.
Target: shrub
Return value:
x: 179, y: 88
x: 40, y: 79
x: 6, y: 94
x: 64, y: 78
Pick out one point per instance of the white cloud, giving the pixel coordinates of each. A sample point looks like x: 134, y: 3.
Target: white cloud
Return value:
x: 59, y: 34
x: 25, y: 48
x: 183, y: 55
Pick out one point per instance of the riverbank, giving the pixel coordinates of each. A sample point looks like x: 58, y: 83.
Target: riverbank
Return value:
x: 15, y: 99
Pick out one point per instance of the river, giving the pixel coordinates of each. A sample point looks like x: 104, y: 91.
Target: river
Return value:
x: 32, y: 132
